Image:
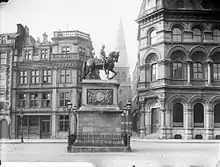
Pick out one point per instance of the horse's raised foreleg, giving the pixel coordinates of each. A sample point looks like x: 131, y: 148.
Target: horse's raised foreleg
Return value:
x: 114, y: 74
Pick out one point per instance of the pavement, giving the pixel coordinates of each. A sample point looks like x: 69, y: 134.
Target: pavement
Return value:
x: 133, y: 139
x: 144, y: 154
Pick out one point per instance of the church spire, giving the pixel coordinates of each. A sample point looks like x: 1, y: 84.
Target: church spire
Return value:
x: 121, y: 47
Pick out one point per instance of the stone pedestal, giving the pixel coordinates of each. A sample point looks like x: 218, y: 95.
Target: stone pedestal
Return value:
x: 99, y: 118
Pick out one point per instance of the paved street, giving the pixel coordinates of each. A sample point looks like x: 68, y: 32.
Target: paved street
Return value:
x: 144, y: 154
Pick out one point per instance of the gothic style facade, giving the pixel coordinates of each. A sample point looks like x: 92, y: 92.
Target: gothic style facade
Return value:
x: 46, y: 76
x: 179, y: 67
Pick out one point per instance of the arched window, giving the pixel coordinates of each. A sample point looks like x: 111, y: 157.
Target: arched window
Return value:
x: 216, y: 34
x: 177, y: 35
x: 177, y: 70
x: 177, y: 136
x: 154, y: 72
x: 178, y: 115
x: 197, y: 70
x: 198, y: 115
x: 197, y: 35
x: 216, y: 66
x: 152, y: 37
x: 179, y: 4
x: 3, y: 40
x: 198, y: 136
x: 217, y: 115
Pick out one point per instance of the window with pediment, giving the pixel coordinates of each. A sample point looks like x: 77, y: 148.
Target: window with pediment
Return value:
x: 44, y: 54
x: 27, y: 54
x: 65, y: 76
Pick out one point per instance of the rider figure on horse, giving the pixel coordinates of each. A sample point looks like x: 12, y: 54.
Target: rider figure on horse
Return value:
x: 103, y: 55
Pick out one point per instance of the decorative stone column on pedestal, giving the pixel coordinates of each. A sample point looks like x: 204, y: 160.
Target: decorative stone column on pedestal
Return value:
x: 189, y: 72
x: 209, y: 62
x: 188, y: 123
x: 209, y: 127
x: 168, y: 124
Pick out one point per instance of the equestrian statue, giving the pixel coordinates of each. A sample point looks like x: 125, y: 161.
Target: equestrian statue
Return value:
x: 92, y: 66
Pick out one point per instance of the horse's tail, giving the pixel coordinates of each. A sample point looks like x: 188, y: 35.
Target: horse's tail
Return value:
x: 84, y: 70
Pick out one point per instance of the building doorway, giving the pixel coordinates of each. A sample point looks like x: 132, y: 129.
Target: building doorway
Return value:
x: 45, y: 127
x: 154, y: 120
x: 4, y: 129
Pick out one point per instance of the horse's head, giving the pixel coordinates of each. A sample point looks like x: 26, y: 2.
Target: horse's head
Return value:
x: 114, y: 55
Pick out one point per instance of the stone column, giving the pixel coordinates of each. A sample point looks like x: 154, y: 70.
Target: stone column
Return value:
x: 188, y: 72
x: 209, y: 123
x: 148, y: 122
x: 209, y: 73
x: 162, y: 123
x: 142, y: 121
x: 53, y: 124
x: 188, y: 122
x: 168, y: 124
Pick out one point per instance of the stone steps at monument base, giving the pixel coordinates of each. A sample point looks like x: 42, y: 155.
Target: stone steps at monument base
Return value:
x: 97, y: 149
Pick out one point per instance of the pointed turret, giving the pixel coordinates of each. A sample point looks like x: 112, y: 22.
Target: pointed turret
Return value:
x: 121, y: 47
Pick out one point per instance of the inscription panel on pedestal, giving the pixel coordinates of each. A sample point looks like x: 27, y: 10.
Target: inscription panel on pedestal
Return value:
x: 100, y: 96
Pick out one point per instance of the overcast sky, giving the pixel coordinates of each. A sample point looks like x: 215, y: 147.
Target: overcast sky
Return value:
x: 99, y: 18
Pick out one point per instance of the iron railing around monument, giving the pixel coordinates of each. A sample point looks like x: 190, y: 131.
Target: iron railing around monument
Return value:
x: 99, y: 139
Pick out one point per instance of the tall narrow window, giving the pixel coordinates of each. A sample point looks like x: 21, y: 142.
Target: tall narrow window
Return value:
x: 27, y: 54
x: 197, y: 70
x: 197, y: 35
x: 64, y: 98
x: 3, y: 40
x: 217, y: 115
x: 44, y: 54
x: 177, y: 70
x: 34, y: 100
x: 216, y: 34
x: 3, y: 58
x: 64, y: 122
x: 178, y: 115
x: 66, y: 49
x: 35, y: 76
x: 154, y: 72
x: 23, y: 77
x: 46, y: 76
x: 177, y: 35
x: 216, y: 71
x: 22, y: 100
x: 198, y: 115
x: 153, y: 37
x: 65, y: 76
x: 46, y: 100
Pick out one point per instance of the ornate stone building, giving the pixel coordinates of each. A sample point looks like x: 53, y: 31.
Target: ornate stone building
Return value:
x: 46, y: 76
x: 123, y: 69
x: 179, y: 67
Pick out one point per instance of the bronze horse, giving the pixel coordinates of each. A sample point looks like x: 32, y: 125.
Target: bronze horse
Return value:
x: 93, y: 65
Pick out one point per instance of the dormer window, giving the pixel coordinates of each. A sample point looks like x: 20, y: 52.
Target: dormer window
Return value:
x: 66, y: 49
x: 27, y: 54
x: 44, y: 54
x: 179, y: 4
x: 3, y: 40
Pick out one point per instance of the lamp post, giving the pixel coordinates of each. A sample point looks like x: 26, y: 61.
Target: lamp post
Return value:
x: 69, y: 108
x: 129, y: 132
x: 124, y: 125
x: 21, y: 117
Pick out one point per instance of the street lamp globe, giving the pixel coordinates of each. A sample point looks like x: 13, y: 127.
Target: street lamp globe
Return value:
x: 69, y: 105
